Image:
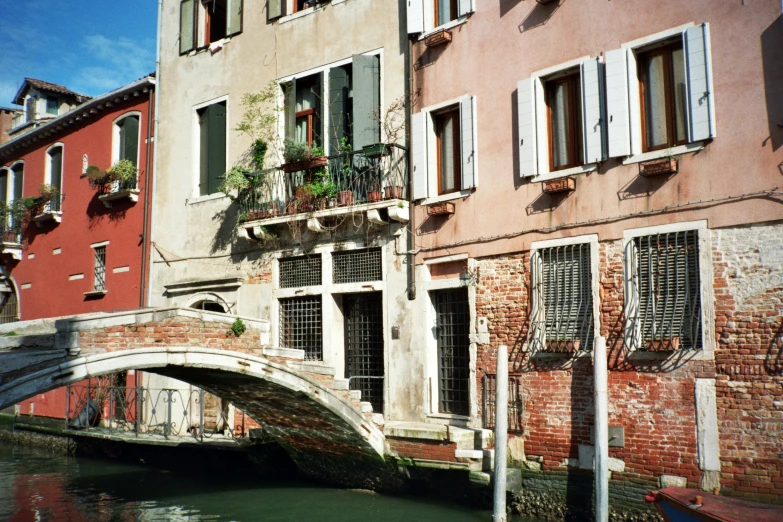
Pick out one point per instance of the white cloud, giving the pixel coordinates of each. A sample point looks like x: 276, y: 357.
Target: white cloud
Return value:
x: 113, y: 63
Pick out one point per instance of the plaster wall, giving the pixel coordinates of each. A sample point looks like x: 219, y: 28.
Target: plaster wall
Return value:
x: 505, y: 42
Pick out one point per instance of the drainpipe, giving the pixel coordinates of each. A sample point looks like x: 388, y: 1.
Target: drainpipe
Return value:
x: 155, y: 139
x: 601, y: 431
x: 501, y: 433
x: 145, y: 219
x: 411, y: 207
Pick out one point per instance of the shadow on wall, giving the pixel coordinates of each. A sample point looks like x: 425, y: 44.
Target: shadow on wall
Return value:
x: 539, y: 15
x: 97, y: 211
x: 772, y: 61
x: 774, y: 359
x: 641, y: 187
x: 507, y: 5
x: 546, y: 202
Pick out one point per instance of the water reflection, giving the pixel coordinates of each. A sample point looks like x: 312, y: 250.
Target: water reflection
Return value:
x: 36, y: 486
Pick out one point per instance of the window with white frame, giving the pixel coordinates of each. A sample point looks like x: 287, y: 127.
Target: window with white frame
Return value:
x: 660, y: 92
x: 443, y: 142
x: 337, y: 104
x: 126, y: 138
x: 663, y: 291
x: 563, y: 315
x: 52, y: 106
x: 560, y: 118
x: 429, y: 15
x: 54, y: 175
x: 99, y: 268
x: 203, y: 22
x: 212, y: 121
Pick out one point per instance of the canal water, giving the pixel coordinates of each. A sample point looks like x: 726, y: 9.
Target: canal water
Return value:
x: 38, y: 486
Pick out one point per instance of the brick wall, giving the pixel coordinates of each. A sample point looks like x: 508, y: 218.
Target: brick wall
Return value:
x: 655, y: 402
x: 424, y: 449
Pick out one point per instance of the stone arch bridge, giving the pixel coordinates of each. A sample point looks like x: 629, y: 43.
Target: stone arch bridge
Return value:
x: 324, y: 426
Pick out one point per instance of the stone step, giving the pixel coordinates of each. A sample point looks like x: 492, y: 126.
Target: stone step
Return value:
x: 311, y: 367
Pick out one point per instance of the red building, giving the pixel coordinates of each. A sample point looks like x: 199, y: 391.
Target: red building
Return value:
x: 75, y: 240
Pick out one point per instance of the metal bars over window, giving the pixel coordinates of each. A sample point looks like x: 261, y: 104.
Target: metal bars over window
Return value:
x: 300, y: 325
x: 300, y: 271
x: 357, y: 266
x: 364, y: 346
x: 453, y: 336
x: 9, y: 313
x: 562, y: 299
x: 100, y: 268
x: 666, y: 290
x: 516, y: 403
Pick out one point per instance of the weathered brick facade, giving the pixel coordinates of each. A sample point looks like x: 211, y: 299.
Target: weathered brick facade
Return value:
x: 655, y: 401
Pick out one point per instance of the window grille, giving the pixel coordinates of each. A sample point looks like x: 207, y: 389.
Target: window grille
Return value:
x: 453, y: 329
x: 300, y: 325
x: 562, y: 299
x: 667, y: 289
x: 364, y: 346
x: 356, y: 266
x: 9, y: 313
x: 100, y: 268
x: 300, y: 271
x: 516, y: 403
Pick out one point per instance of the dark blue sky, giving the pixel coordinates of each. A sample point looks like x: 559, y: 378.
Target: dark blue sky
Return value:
x: 90, y: 46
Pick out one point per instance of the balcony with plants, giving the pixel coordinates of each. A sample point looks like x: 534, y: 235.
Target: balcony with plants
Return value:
x: 12, y: 216
x: 120, y: 182
x: 47, y: 207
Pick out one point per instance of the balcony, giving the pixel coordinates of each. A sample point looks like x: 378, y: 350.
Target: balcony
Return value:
x: 12, y: 239
x: 374, y: 182
x: 111, y: 191
x: 47, y: 211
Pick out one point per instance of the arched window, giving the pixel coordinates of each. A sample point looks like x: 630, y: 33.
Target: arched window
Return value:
x: 16, y: 182
x: 126, y: 138
x: 9, y: 306
x: 209, y: 306
x: 54, y: 168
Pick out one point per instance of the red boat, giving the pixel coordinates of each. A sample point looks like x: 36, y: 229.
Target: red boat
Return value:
x: 690, y: 505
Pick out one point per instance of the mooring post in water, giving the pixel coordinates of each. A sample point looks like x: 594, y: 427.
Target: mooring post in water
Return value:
x: 601, y: 431
x: 501, y: 432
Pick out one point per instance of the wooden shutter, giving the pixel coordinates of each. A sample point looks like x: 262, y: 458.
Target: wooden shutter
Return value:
x: 415, y: 16
x: 617, y: 104
x: 234, y: 17
x: 289, y: 93
x: 129, y: 139
x: 274, y: 9
x: 4, y: 186
x: 526, y: 107
x: 366, y: 101
x: 318, y: 118
x: 634, y: 102
x: 187, y: 26
x: 465, y: 7
x: 216, y: 146
x: 593, y: 111
x: 339, y: 108
x: 56, y: 167
x: 18, y: 181
x: 698, y: 70
x: 419, y: 155
x: 467, y: 144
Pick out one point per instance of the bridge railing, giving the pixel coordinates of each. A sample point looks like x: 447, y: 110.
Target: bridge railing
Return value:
x: 93, y: 406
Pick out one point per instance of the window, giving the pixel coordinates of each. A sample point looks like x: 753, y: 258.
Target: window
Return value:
x: 99, y: 269
x: 357, y: 266
x: 564, y: 101
x: 52, y: 106
x: 561, y: 121
x: 9, y: 306
x: 54, y: 170
x: 309, y: 127
x: 300, y: 325
x: 212, y: 135
x: 659, y: 93
x: 662, y: 91
x: 222, y: 18
x: 300, y: 271
x: 444, y: 152
x: 453, y: 339
x: 209, y: 306
x: 562, y: 299
x: 363, y: 330
x: 127, y: 134
x: 664, y: 310
x: 447, y: 136
x: 427, y: 15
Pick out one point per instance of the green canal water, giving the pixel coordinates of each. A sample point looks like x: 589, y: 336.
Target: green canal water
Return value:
x: 38, y: 486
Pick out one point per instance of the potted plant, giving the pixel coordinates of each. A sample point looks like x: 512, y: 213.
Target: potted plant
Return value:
x: 374, y: 192
x: 96, y: 176
x: 345, y: 198
x: 301, y: 156
x: 393, y: 192
x: 124, y: 172
x: 564, y: 345
x: 666, y: 344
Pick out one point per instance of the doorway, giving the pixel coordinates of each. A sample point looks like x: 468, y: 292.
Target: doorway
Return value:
x: 364, y: 346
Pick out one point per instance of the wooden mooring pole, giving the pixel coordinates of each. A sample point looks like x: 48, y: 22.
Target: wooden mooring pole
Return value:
x: 501, y: 433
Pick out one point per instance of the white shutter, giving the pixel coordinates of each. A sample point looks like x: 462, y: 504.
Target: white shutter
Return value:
x: 234, y: 22
x: 698, y: 70
x: 467, y: 145
x: 619, y: 122
x: 634, y: 102
x: 415, y: 16
x: 526, y: 105
x: 465, y: 7
x: 419, y: 155
x: 186, y: 35
x: 593, y: 110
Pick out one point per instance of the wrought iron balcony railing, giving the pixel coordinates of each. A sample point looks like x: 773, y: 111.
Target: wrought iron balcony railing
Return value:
x: 113, y: 187
x: 346, y: 180
x: 54, y: 204
x: 12, y: 233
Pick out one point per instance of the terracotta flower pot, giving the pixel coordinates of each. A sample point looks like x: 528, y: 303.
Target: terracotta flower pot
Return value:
x: 667, y: 344
x: 564, y: 346
x: 312, y: 163
x: 373, y: 195
x: 345, y: 198
x: 393, y: 192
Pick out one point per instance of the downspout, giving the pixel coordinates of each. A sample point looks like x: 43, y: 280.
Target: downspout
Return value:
x: 155, y: 139
x: 411, y: 206
x: 145, y: 221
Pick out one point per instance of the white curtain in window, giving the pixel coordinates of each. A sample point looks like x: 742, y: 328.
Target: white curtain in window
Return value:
x: 447, y: 154
x: 655, y: 101
x: 560, y: 124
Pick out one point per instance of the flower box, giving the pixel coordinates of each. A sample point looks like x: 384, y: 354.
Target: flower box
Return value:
x: 393, y: 192
x: 444, y: 208
x: 312, y: 163
x: 658, y: 167
x: 376, y: 151
x: 439, y: 38
x: 373, y: 196
x: 556, y: 186
x: 564, y: 346
x: 667, y: 344
x: 345, y: 198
